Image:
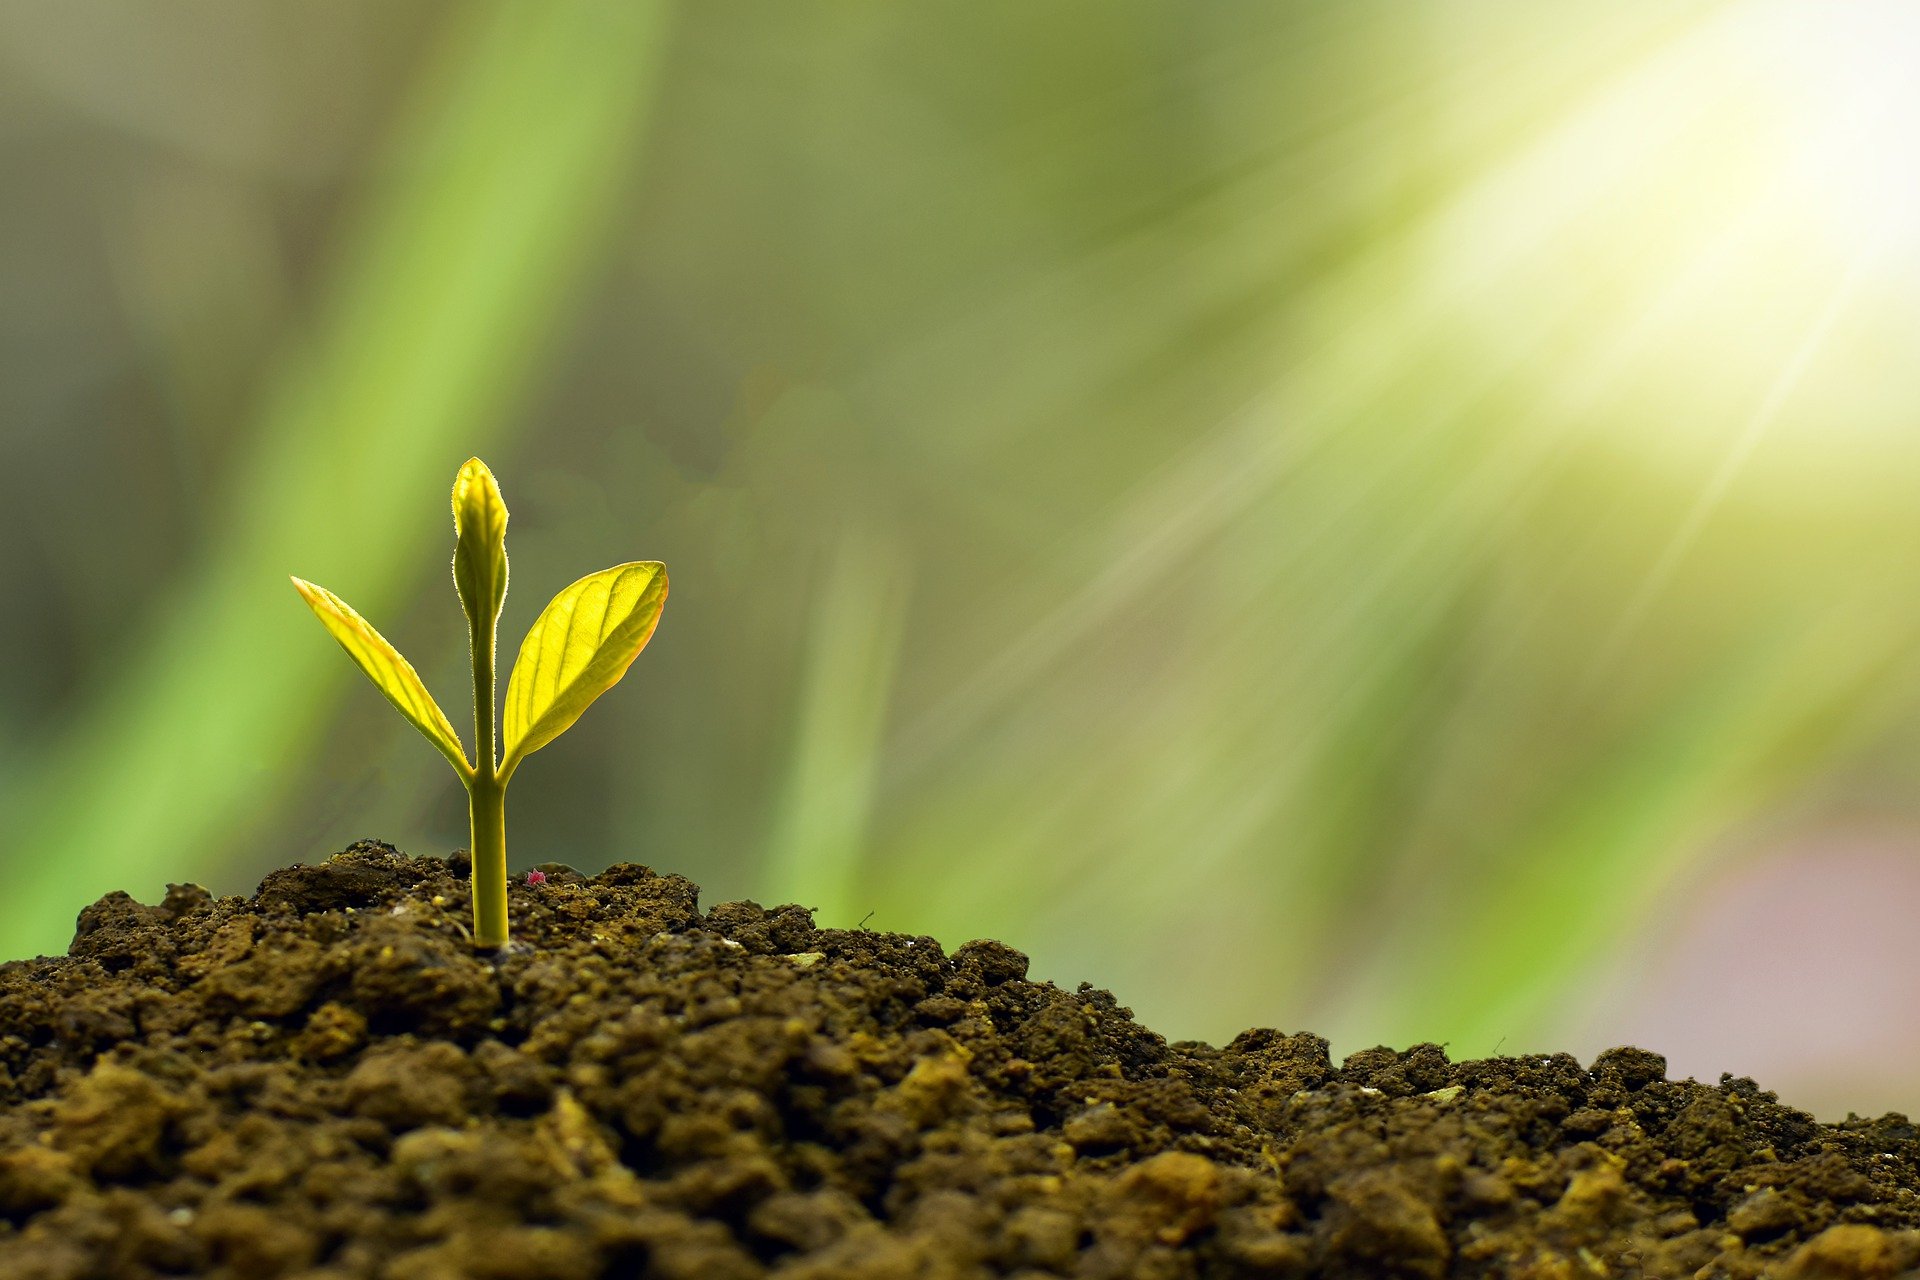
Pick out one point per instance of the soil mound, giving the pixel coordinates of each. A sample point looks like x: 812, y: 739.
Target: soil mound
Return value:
x: 327, y: 1082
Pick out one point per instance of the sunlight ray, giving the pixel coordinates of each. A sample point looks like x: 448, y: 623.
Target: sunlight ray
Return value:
x: 1739, y: 452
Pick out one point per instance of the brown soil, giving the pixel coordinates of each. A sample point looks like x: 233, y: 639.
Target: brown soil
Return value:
x: 328, y: 1082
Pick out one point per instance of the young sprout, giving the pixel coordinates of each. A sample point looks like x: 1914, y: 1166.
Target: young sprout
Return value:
x: 580, y: 646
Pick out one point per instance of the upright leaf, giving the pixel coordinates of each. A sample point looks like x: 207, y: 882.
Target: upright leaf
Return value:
x: 580, y: 646
x: 480, y: 547
x: 393, y: 674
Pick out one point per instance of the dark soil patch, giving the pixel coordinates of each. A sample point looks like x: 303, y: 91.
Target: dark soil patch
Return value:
x: 327, y: 1082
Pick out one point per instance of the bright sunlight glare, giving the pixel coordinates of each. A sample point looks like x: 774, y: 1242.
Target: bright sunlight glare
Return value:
x: 1703, y: 209
x: 1846, y: 72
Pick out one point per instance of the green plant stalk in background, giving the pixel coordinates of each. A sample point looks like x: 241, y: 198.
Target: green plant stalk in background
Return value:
x: 579, y: 647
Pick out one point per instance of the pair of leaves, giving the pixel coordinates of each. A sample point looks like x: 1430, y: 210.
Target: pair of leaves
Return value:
x: 579, y: 647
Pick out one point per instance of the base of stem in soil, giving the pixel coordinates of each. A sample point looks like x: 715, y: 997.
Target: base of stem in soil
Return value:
x: 328, y: 1082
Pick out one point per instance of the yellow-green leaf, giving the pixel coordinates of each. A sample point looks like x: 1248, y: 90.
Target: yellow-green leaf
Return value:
x: 391, y: 673
x: 582, y: 644
x: 480, y: 547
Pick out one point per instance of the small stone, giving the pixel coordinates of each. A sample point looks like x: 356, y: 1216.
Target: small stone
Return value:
x: 1850, y: 1251
x: 994, y: 962
x: 1632, y: 1067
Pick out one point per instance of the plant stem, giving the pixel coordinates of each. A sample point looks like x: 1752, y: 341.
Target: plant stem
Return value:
x: 487, y: 815
x: 486, y: 794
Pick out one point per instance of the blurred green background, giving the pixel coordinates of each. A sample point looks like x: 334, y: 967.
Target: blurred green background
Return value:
x: 1395, y: 519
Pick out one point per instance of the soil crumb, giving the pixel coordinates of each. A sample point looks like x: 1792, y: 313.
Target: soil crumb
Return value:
x: 327, y: 1082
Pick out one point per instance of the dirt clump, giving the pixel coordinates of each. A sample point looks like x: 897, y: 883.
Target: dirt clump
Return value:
x: 327, y: 1082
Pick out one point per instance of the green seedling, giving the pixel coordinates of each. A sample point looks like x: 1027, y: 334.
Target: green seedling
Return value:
x: 580, y: 646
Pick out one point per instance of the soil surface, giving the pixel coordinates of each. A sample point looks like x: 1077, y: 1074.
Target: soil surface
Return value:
x: 327, y: 1081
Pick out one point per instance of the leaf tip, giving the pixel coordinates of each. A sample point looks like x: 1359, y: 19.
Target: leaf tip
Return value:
x: 475, y: 486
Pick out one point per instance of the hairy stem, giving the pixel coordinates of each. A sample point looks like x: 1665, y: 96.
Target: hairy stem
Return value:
x: 487, y: 815
x: 486, y: 796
